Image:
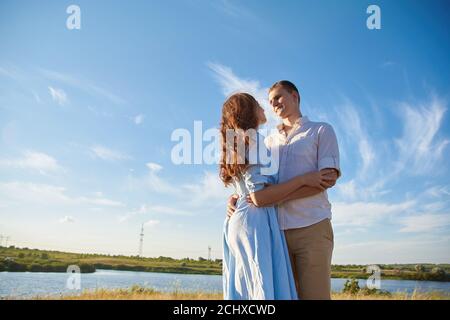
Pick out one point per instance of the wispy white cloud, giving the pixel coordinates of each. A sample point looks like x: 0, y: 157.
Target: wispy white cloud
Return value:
x: 229, y: 8
x: 425, y: 222
x: 10, y: 72
x: 151, y: 223
x: 58, y: 95
x: 101, y: 202
x: 154, y: 182
x: 234, y: 10
x: 153, y: 166
x: 29, y: 78
x: 366, y: 214
x: 348, y: 190
x: 406, y: 250
x: 356, y: 130
x: 187, y: 199
x: 388, y: 63
x: 105, y: 153
x: 33, y: 160
x: 37, y: 98
x: 438, y: 191
x: 408, y: 215
x: 145, y: 209
x: 82, y: 84
x: 138, y: 119
x: 48, y: 195
x: 67, y: 219
x: 360, y: 204
x: 435, y: 206
x: 207, y: 194
x: 231, y: 83
x: 208, y: 190
x: 420, y: 148
x: 104, y: 93
x: 33, y: 192
x: 170, y: 211
x: 99, y: 111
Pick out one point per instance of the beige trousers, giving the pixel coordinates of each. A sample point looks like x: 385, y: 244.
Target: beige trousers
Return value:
x: 310, y: 249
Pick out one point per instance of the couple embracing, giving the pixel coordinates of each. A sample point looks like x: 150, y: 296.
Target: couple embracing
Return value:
x: 278, y: 238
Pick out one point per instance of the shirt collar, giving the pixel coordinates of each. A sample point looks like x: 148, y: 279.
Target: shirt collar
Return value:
x: 298, y: 123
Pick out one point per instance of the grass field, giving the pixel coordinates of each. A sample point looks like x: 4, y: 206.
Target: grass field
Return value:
x: 139, y: 293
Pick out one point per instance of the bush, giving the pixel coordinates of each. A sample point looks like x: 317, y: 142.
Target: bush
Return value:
x: 438, y: 274
x: 141, y: 290
x: 419, y: 268
x: 351, y: 286
x: 35, y: 268
x: 14, y: 266
x: 162, y: 258
x: 87, y: 268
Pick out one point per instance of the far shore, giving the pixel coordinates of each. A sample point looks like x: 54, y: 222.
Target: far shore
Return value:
x: 14, y: 259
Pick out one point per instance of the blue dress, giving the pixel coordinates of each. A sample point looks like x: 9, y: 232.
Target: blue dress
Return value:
x: 256, y: 264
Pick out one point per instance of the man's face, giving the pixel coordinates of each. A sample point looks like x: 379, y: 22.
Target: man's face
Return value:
x: 283, y: 102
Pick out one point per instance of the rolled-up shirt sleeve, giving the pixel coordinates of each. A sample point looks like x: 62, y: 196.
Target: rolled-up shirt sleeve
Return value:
x: 254, y: 179
x: 328, y: 150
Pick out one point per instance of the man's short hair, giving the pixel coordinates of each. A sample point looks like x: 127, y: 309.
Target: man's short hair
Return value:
x: 289, y: 86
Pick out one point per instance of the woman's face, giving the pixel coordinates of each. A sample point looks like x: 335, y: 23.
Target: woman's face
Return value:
x: 260, y: 115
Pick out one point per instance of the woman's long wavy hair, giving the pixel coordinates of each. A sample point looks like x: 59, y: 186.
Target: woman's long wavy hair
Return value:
x: 239, y: 114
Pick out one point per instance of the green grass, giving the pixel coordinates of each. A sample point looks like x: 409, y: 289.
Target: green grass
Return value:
x: 24, y: 259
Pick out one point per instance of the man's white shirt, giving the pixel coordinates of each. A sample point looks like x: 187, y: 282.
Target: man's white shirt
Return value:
x: 309, y: 146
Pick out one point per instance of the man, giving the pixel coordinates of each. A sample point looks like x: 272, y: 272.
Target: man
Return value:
x: 304, y: 146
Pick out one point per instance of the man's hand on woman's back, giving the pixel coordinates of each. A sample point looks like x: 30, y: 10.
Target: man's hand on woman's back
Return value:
x: 231, y: 205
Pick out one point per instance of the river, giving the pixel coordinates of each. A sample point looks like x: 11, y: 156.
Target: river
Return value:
x: 28, y: 284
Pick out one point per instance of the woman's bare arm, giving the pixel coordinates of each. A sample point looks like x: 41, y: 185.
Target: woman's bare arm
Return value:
x: 307, y: 191
x: 277, y: 192
x: 302, y: 192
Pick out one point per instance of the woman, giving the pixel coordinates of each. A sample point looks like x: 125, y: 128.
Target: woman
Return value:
x: 256, y: 262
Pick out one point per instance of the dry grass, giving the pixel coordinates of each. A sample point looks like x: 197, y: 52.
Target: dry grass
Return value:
x: 135, y: 293
x: 394, y: 296
x: 139, y: 293
x: 122, y: 295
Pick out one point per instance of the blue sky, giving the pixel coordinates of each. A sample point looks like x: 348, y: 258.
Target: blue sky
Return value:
x: 86, y: 118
